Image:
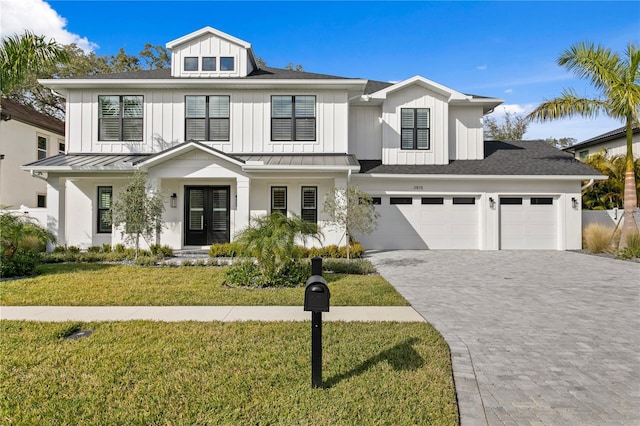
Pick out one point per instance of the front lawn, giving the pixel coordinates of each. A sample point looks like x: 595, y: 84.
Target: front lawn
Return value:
x: 223, y: 373
x: 118, y: 285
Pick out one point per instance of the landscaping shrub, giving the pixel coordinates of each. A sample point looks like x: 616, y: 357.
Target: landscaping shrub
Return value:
x: 352, y: 266
x: 119, y: 248
x: 335, y: 252
x: 633, y: 247
x: 21, y: 241
x: 598, y: 238
x: 248, y: 274
x: 94, y: 249
x: 145, y: 260
x: 22, y: 262
x: 224, y: 250
x: 162, y: 251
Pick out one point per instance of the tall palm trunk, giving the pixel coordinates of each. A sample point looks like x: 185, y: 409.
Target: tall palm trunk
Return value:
x: 629, y: 226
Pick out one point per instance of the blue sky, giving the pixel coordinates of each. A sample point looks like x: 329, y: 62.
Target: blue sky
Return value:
x: 500, y: 49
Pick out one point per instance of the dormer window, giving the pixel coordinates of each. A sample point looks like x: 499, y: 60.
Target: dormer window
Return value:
x: 209, y: 63
x: 191, y: 63
x: 226, y: 63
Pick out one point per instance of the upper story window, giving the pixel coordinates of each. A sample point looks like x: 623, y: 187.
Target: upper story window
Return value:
x: 43, y: 142
x: 191, y: 63
x: 207, y: 118
x: 227, y: 63
x: 209, y: 63
x: 120, y: 118
x: 279, y: 199
x: 584, y: 155
x: 415, y: 128
x: 62, y: 146
x: 293, y: 118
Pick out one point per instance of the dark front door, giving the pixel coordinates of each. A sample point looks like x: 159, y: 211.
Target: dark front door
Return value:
x: 206, y: 215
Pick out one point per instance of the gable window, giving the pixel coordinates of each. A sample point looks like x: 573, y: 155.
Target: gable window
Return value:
x: 584, y: 155
x: 293, y: 118
x: 310, y: 203
x: 227, y: 63
x: 207, y: 118
x: 191, y: 63
x: 120, y: 118
x: 105, y: 194
x: 42, y: 147
x: 415, y: 128
x: 209, y: 63
x: 279, y: 199
x: 42, y: 200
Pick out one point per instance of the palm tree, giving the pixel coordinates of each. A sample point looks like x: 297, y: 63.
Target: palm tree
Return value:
x: 21, y: 55
x: 617, y: 80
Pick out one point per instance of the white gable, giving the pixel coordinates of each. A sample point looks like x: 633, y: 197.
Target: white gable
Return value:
x: 210, y: 53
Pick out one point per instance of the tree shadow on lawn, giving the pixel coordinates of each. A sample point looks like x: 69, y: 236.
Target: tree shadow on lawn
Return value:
x: 401, y: 357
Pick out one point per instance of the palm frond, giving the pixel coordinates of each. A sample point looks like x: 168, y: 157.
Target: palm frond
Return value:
x: 569, y: 104
x: 599, y: 65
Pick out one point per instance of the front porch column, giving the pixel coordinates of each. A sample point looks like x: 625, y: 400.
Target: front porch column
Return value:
x: 243, y: 211
x: 56, y: 209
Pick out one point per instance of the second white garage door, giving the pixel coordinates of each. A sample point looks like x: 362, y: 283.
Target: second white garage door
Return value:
x: 528, y: 223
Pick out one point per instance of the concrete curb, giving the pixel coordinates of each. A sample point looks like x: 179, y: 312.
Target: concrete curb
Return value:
x: 205, y: 313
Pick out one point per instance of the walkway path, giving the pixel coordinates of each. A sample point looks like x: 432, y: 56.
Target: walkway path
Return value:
x: 536, y: 337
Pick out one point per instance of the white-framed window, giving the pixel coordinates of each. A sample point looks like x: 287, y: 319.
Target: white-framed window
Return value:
x: 120, y: 117
x: 279, y: 199
x: 42, y: 146
x: 191, y: 63
x: 293, y: 118
x: 415, y: 128
x: 208, y: 63
x: 227, y: 63
x: 207, y: 118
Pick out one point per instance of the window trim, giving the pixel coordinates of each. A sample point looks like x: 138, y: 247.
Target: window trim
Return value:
x: 415, y: 129
x: 42, y: 153
x: 293, y: 119
x: 281, y: 210
x: 233, y: 63
x: 207, y: 119
x: 121, y: 119
x: 215, y: 63
x: 304, y: 209
x: 102, y: 210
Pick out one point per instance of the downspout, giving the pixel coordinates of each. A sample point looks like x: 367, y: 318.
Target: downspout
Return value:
x: 587, y: 185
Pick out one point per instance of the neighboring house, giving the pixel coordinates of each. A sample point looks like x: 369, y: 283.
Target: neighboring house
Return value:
x: 26, y: 135
x: 614, y: 142
x: 225, y: 140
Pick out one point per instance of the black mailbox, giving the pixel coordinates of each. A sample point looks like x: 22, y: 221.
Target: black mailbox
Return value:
x: 316, y: 294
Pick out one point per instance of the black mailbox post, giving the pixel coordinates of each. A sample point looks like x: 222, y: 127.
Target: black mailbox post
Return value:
x: 316, y: 300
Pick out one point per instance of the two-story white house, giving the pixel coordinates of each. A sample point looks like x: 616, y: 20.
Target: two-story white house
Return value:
x: 225, y: 140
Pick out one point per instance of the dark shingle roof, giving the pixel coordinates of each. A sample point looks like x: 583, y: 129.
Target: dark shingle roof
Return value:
x: 519, y: 158
x: 12, y: 110
x: 265, y: 73
x: 605, y: 137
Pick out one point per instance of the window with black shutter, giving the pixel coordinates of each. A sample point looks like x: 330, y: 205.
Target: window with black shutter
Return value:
x: 309, y: 203
x: 120, y: 118
x: 415, y: 128
x: 105, y: 194
x: 279, y: 199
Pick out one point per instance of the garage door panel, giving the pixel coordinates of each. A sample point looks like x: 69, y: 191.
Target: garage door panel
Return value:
x: 525, y: 225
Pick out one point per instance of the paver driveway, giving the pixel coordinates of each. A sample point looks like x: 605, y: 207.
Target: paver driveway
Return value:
x: 551, y: 337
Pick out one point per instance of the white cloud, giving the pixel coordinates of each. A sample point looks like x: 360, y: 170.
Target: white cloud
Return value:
x: 508, y: 91
x: 482, y: 67
x: 39, y: 17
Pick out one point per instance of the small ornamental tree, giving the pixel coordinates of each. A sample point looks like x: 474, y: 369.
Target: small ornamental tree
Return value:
x: 352, y: 210
x: 138, y: 208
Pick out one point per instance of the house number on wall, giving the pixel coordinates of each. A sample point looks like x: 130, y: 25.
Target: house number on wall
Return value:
x: 417, y: 187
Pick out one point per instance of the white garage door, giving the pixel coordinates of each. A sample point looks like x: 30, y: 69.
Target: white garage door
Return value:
x: 438, y: 222
x: 528, y: 223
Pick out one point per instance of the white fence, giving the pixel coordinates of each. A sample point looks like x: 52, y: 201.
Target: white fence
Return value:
x: 37, y: 213
x: 610, y: 218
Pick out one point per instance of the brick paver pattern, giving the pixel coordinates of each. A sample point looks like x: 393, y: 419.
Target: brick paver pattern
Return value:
x: 553, y: 337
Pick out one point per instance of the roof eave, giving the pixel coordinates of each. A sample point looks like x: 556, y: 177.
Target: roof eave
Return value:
x: 299, y: 168
x: 483, y: 177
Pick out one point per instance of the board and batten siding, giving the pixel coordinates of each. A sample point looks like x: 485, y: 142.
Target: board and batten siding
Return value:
x: 415, y: 97
x: 365, y: 132
x: 250, y: 122
x: 466, y: 136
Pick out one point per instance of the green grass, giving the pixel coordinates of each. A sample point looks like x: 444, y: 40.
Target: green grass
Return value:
x: 137, y: 373
x: 118, y: 285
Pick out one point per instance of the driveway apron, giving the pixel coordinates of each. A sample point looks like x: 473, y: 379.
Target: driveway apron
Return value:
x: 537, y: 337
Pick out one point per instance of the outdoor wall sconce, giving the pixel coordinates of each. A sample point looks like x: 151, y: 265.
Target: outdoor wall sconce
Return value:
x: 492, y: 202
x: 174, y: 200
x: 574, y: 202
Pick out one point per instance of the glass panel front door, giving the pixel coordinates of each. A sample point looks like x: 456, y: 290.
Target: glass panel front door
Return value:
x: 207, y: 215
